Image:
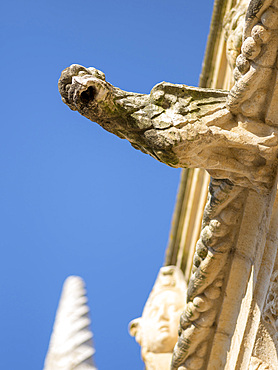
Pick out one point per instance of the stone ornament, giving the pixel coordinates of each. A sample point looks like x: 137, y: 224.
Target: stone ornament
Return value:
x: 234, y: 136
x: 157, y: 330
x: 234, y: 25
x: 71, y: 346
x: 270, y: 314
x: 257, y: 364
x: 231, y: 135
x: 186, y: 126
x: 204, y: 295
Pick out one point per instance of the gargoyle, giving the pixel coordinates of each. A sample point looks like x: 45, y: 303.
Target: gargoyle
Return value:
x: 158, y: 124
x: 233, y: 135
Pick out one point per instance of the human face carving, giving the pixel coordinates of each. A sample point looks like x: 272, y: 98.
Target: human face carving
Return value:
x: 160, y: 322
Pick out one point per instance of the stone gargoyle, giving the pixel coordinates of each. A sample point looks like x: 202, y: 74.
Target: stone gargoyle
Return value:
x: 231, y: 134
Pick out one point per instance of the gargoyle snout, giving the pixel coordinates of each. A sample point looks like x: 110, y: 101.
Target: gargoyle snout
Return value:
x: 89, y: 88
x: 81, y: 86
x: 88, y: 95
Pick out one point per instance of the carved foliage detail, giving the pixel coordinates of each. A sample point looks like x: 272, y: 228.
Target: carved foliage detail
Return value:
x: 255, y: 71
x: 234, y: 25
x: 211, y: 261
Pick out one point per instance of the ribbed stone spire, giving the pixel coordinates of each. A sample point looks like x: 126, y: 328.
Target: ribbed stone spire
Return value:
x: 71, y: 346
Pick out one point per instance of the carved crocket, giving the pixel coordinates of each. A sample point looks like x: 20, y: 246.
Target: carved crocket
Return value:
x: 233, y: 135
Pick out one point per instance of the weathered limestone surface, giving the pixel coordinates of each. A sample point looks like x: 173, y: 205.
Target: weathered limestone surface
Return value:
x: 234, y: 23
x: 71, y: 346
x: 179, y: 125
x: 234, y: 136
x: 156, y: 330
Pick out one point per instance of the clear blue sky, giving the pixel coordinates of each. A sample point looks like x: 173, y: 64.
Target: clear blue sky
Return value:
x: 74, y: 198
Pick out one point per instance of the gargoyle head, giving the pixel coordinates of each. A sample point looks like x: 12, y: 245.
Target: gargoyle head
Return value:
x: 82, y: 86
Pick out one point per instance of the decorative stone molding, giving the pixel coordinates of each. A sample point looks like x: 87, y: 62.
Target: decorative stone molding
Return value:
x: 187, y: 219
x: 156, y: 330
x: 270, y: 314
x: 257, y: 364
x: 71, y: 346
x: 233, y: 24
x: 210, y: 264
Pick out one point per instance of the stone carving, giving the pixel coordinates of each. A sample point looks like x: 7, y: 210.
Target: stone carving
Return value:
x: 186, y: 126
x: 233, y: 135
x: 211, y: 261
x: 170, y: 123
x: 257, y: 364
x: 70, y: 345
x: 157, y: 330
x: 270, y: 314
x: 234, y: 24
x: 254, y: 93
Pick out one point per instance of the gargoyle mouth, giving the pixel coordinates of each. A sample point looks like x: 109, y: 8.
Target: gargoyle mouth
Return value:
x: 88, y: 95
x: 87, y: 89
x: 82, y: 86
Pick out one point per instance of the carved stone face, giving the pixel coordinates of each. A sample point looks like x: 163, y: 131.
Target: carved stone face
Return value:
x: 160, y: 320
x: 157, y: 330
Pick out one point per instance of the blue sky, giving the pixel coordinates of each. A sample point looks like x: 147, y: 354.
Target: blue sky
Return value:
x: 74, y: 198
